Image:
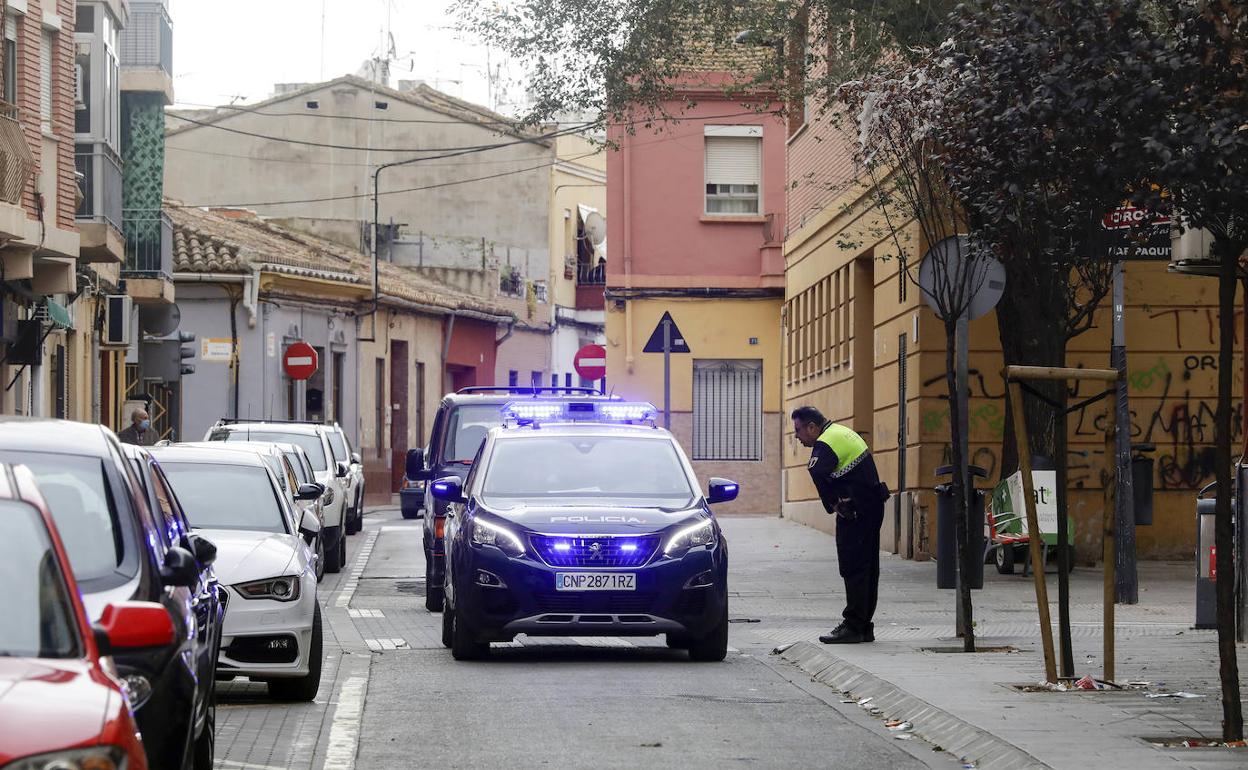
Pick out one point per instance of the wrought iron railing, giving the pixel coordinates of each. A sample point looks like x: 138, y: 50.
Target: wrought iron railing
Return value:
x: 17, y: 164
x: 591, y: 275
x: 149, y: 242
x: 101, y: 184
x: 511, y: 283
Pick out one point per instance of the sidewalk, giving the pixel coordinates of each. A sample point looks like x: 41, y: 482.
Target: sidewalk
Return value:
x: 784, y: 576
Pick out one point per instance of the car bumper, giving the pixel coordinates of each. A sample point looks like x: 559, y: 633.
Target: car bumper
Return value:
x: 258, y: 634
x: 528, y: 603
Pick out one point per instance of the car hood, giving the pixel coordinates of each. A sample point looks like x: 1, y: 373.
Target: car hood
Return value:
x: 592, y: 519
x: 244, y: 555
x: 46, y: 705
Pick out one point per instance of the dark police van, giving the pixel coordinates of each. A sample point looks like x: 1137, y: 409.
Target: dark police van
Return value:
x: 459, y: 428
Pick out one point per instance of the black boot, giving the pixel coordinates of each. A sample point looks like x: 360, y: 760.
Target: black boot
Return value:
x: 842, y: 634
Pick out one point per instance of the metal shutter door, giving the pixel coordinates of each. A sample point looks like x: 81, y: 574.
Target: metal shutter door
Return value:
x: 732, y: 160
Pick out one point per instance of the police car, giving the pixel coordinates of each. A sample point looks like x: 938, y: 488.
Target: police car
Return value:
x: 582, y: 518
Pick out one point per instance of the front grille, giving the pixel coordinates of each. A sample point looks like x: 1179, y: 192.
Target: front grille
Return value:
x: 604, y: 602
x: 619, y: 551
x: 279, y: 648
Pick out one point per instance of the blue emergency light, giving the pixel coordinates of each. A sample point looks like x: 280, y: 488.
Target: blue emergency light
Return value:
x: 618, y: 412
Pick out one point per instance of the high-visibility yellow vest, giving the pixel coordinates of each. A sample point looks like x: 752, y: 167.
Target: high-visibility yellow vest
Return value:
x: 848, y: 446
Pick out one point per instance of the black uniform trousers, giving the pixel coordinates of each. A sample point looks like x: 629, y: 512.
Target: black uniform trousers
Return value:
x: 858, y: 552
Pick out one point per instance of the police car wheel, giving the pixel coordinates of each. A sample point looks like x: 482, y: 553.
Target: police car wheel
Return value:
x: 448, y: 620
x: 463, y: 645
x: 714, y: 646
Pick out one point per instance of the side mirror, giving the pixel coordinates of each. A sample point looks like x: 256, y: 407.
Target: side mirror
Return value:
x: 179, y: 569
x: 356, y: 459
x: 308, y: 525
x: 128, y: 626
x: 309, y: 491
x: 448, y: 489
x: 342, y: 470
x: 205, y: 550
x: 415, y: 463
x: 722, y: 490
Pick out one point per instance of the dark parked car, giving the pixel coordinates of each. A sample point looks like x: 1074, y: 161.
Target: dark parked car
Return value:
x: 121, y: 550
x: 459, y: 428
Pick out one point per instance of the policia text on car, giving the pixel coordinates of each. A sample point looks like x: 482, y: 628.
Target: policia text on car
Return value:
x: 849, y: 486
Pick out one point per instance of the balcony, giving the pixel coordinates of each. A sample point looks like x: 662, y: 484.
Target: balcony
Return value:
x: 17, y: 165
x: 590, y: 280
x: 147, y: 50
x: 148, y: 270
x: 99, y: 215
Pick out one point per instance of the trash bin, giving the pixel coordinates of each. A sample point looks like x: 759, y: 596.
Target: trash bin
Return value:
x: 1206, y: 588
x: 1142, y: 483
x: 946, y: 531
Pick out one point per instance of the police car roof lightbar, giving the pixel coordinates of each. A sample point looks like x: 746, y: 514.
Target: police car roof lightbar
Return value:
x: 618, y: 412
x: 528, y: 390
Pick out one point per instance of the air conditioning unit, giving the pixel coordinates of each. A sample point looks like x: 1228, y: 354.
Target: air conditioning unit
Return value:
x: 117, y: 312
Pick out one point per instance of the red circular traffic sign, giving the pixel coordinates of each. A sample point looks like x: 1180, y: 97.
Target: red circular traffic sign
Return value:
x: 591, y: 362
x: 299, y: 361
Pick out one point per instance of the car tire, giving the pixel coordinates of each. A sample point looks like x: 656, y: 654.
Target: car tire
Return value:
x: 409, y: 515
x: 335, y: 557
x: 714, y: 646
x: 1004, y: 558
x: 463, y: 644
x: 448, y: 620
x: 433, y: 593
x: 303, y: 688
x: 320, y: 557
x: 205, y: 745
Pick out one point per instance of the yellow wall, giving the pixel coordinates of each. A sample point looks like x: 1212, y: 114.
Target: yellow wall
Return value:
x: 567, y: 191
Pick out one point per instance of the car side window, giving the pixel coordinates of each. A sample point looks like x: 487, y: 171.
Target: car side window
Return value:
x: 167, y: 505
x: 476, y: 465
x: 435, y: 438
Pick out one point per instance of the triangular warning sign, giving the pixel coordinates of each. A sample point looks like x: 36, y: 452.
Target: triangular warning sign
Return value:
x: 655, y: 343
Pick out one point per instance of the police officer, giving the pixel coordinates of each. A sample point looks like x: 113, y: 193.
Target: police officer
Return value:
x: 849, y: 487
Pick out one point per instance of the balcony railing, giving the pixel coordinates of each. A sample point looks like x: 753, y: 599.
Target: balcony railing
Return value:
x: 16, y: 162
x: 591, y: 275
x: 149, y: 243
x: 147, y: 41
x: 101, y: 184
x: 511, y: 283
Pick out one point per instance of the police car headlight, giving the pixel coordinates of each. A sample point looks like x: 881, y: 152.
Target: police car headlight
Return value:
x: 488, y: 533
x: 701, y: 533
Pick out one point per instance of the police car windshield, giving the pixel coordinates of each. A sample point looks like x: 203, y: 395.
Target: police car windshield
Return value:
x: 468, y: 426
x: 556, y: 469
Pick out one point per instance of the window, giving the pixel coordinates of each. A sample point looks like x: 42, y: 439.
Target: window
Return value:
x: 587, y: 468
x: 45, y: 78
x: 10, y: 59
x: 727, y: 409
x: 733, y: 169
x: 535, y: 379
x: 220, y: 496
x: 513, y: 378
x: 817, y: 320
x: 312, y: 104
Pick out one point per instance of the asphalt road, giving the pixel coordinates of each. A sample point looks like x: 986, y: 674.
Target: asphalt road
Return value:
x: 392, y: 697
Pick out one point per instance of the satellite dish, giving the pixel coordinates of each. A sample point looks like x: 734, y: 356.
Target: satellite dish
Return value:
x: 953, y: 255
x: 595, y: 227
x: 159, y: 320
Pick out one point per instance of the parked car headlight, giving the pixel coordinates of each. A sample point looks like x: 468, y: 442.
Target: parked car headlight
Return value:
x: 95, y: 758
x: 138, y: 689
x: 488, y: 533
x: 701, y: 533
x: 282, y: 589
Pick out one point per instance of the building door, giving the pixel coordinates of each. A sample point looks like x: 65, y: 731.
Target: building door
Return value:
x: 418, y: 402
x: 864, y: 346
x: 58, y: 383
x: 399, y: 375
x: 339, y: 366
x: 379, y: 410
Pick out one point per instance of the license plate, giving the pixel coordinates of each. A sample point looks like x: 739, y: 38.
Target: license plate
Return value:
x: 595, y: 581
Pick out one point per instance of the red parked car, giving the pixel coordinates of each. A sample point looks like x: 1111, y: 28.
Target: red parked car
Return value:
x: 61, y: 704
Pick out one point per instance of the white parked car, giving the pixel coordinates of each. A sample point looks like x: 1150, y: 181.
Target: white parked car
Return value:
x: 354, y: 482
x: 272, y: 621
x: 313, y: 439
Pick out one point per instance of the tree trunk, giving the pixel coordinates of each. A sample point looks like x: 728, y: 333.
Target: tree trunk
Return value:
x: 961, y: 497
x: 1228, y: 669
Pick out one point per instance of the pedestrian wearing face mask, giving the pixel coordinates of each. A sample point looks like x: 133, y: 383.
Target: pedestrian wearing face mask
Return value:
x: 140, y: 431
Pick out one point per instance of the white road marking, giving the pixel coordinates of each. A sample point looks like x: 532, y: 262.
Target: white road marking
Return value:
x: 356, y: 613
x: 347, y: 591
x: 344, y: 733
x: 393, y: 643
x: 227, y: 764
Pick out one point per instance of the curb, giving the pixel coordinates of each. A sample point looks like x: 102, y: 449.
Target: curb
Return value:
x: 934, y: 725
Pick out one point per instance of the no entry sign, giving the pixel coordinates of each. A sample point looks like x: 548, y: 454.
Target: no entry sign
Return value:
x: 591, y: 362
x: 299, y: 361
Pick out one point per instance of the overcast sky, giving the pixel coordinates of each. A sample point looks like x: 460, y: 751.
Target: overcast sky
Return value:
x: 227, y: 49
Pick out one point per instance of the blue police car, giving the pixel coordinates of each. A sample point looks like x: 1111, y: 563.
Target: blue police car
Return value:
x: 583, y: 519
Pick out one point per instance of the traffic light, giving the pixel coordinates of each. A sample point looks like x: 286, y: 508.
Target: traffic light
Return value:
x: 186, y: 350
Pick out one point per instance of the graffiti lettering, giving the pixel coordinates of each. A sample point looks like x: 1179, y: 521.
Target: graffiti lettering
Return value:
x: 1203, y: 363
x: 1144, y: 379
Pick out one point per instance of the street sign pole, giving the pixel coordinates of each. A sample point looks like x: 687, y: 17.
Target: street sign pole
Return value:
x: 961, y: 377
x: 667, y: 374
x: 1127, y: 586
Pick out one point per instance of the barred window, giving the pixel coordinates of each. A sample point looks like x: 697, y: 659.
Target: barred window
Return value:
x: 727, y: 409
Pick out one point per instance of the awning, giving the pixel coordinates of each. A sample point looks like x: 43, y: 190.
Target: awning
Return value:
x: 58, y: 315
